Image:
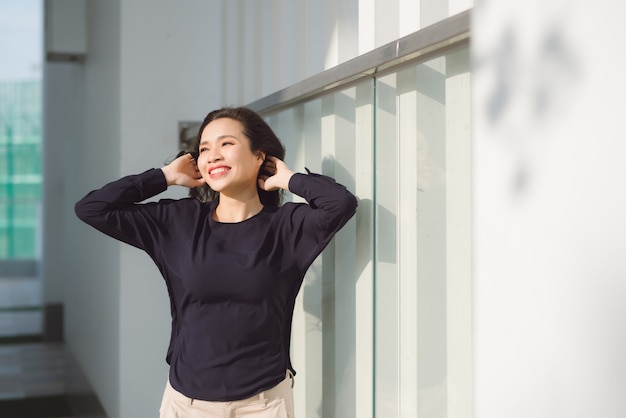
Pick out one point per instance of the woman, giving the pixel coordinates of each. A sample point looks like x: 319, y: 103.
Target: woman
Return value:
x: 233, y: 261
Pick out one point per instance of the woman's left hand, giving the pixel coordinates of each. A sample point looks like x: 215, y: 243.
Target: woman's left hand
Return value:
x: 274, y: 174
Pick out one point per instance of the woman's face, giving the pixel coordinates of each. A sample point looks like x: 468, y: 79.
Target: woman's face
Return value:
x: 225, y: 159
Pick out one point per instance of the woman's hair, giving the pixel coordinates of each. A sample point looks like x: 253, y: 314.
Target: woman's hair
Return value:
x: 262, y: 139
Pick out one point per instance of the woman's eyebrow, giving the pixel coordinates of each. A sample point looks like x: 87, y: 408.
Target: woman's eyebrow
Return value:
x: 205, y: 141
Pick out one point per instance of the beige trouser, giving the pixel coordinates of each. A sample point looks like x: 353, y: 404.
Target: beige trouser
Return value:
x: 276, y: 402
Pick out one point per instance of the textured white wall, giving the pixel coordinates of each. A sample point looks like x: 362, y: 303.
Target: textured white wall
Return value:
x: 549, y: 222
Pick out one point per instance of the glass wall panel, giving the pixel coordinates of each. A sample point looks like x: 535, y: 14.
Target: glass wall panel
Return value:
x: 332, y: 331
x: 382, y: 326
x: 423, y: 247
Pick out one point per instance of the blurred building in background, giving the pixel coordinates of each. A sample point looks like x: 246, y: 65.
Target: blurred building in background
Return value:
x: 20, y: 169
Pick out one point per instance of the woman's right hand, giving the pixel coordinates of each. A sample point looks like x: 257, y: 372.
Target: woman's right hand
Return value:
x: 183, y: 171
x: 277, y: 174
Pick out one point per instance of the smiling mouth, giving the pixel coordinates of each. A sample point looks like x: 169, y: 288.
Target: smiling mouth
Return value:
x: 218, y: 171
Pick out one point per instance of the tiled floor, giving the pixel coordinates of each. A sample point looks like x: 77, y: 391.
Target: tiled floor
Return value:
x: 33, y: 373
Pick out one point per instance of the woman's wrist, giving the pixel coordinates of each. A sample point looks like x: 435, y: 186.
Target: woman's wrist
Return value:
x: 167, y: 175
x: 287, y: 179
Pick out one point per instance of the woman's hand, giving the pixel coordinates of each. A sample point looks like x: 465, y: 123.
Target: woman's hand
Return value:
x: 183, y: 171
x: 274, y: 174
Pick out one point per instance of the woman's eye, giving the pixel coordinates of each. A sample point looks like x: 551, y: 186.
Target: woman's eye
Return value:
x: 226, y: 143
x: 203, y: 149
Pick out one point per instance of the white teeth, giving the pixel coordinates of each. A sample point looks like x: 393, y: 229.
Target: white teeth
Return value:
x: 219, y: 170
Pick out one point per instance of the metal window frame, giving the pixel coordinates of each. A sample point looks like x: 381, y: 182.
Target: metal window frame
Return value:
x: 435, y: 39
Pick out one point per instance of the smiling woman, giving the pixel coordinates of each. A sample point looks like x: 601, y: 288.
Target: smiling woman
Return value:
x: 233, y: 260
x: 252, y: 129
x: 226, y: 161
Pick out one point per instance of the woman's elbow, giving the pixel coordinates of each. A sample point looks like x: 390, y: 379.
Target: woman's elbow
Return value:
x: 84, y: 210
x: 348, y: 208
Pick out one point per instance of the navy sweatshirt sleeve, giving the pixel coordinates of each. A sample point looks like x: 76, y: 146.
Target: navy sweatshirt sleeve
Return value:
x: 113, y: 209
x: 313, y: 225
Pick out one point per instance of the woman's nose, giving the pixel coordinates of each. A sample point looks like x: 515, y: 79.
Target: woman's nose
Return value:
x: 214, y: 156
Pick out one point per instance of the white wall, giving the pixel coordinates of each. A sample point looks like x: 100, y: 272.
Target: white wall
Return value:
x: 549, y: 222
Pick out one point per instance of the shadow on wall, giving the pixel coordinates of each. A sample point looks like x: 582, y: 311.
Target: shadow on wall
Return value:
x: 533, y: 73
x: 320, y: 293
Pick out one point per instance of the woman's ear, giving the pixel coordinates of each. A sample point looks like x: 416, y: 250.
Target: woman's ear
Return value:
x: 261, y: 156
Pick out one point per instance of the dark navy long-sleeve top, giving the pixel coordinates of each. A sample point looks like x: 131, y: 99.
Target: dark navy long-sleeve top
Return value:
x: 232, y: 286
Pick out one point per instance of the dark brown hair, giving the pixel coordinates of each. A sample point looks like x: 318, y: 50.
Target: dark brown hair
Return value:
x: 262, y: 139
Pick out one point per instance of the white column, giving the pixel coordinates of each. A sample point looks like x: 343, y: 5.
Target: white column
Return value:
x: 364, y: 189
x: 313, y: 378
x: 344, y: 255
x: 317, y: 38
x: 367, y: 22
x: 407, y: 167
x: 265, y: 43
x: 430, y: 243
x: 458, y: 236
x: 232, y: 71
x: 458, y: 6
x: 330, y: 37
x: 348, y: 29
x: 408, y: 16
x: 386, y: 26
x: 386, y: 229
x: 250, y: 52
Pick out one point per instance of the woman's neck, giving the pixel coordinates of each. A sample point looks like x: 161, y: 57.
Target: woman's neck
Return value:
x: 232, y: 210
